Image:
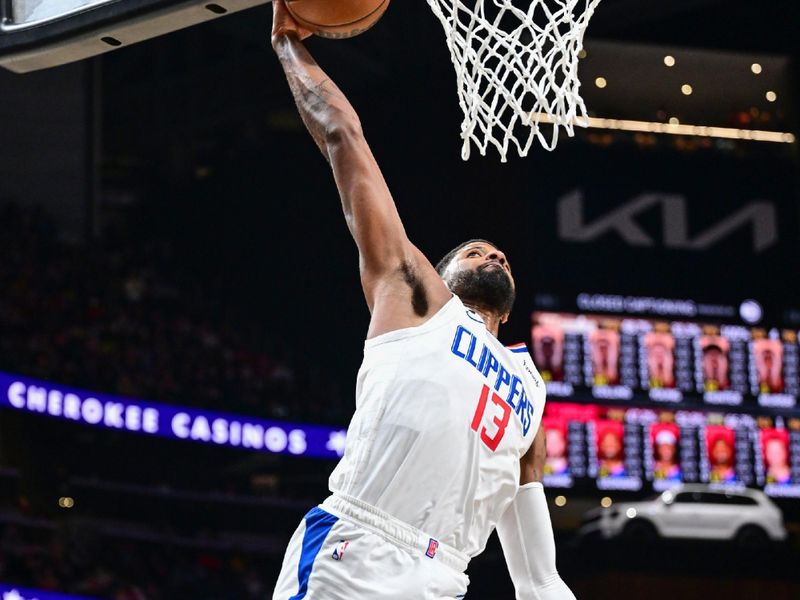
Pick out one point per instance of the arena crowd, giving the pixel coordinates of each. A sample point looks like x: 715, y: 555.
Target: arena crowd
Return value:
x: 120, y: 316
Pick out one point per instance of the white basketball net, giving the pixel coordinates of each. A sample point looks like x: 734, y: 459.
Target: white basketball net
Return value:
x: 517, y: 66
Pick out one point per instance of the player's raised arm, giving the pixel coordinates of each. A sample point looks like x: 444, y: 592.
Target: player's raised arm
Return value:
x: 401, y: 287
x: 526, y: 533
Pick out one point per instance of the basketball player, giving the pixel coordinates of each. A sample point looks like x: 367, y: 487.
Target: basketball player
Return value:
x: 445, y: 444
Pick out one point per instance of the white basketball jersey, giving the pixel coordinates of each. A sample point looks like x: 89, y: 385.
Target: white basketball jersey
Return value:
x: 444, y: 412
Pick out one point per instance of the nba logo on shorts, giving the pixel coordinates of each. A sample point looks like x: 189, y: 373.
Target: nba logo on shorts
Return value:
x: 338, y: 552
x: 433, y: 545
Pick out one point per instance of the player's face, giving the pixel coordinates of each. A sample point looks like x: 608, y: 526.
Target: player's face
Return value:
x: 610, y: 446
x: 721, y: 453
x: 715, y: 365
x: 666, y: 452
x: 658, y: 359
x: 776, y: 454
x: 481, y: 274
x: 482, y: 257
x: 556, y: 444
x: 602, y: 350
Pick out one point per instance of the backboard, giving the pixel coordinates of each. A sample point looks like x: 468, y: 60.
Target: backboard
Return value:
x: 38, y: 34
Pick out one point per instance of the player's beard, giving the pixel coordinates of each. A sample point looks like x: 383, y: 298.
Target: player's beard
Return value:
x: 489, y: 289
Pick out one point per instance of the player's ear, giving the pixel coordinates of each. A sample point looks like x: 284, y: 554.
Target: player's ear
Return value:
x: 504, y: 319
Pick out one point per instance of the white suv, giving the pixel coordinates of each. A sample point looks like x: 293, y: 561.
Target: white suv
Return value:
x: 692, y: 511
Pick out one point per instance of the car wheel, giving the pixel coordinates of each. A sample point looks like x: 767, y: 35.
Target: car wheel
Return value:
x: 752, y: 537
x: 639, y: 531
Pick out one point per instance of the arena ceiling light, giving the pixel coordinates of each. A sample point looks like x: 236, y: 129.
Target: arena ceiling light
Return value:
x: 651, y: 82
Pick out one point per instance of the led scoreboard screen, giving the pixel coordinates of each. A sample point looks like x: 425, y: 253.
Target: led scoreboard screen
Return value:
x: 627, y: 448
x: 660, y: 396
x: 670, y: 362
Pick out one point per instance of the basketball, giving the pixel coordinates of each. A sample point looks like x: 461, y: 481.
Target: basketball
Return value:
x: 338, y: 19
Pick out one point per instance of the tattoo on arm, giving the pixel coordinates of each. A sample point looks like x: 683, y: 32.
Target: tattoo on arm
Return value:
x: 318, y: 99
x: 312, y: 103
x: 368, y: 206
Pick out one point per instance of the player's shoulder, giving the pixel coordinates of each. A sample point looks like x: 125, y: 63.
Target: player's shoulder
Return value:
x: 523, y: 358
x: 521, y: 348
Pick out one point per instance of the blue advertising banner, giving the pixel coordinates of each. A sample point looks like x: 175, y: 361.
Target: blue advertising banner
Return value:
x: 57, y: 401
x: 12, y: 592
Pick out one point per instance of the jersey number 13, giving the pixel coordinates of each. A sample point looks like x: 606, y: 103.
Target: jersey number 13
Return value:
x: 500, y: 413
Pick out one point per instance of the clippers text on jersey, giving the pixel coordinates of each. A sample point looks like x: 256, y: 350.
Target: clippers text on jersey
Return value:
x: 505, y: 383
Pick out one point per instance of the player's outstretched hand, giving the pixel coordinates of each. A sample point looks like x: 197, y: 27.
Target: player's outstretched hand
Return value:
x: 283, y: 23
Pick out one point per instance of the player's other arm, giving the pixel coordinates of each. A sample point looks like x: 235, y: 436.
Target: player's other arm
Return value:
x: 526, y: 533
x: 401, y: 287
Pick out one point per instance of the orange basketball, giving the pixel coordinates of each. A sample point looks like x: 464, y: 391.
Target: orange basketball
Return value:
x: 337, y: 19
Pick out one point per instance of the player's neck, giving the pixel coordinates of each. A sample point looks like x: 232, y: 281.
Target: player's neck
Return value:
x: 490, y: 319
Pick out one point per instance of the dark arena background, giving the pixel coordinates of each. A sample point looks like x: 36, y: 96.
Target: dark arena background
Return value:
x: 181, y: 318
